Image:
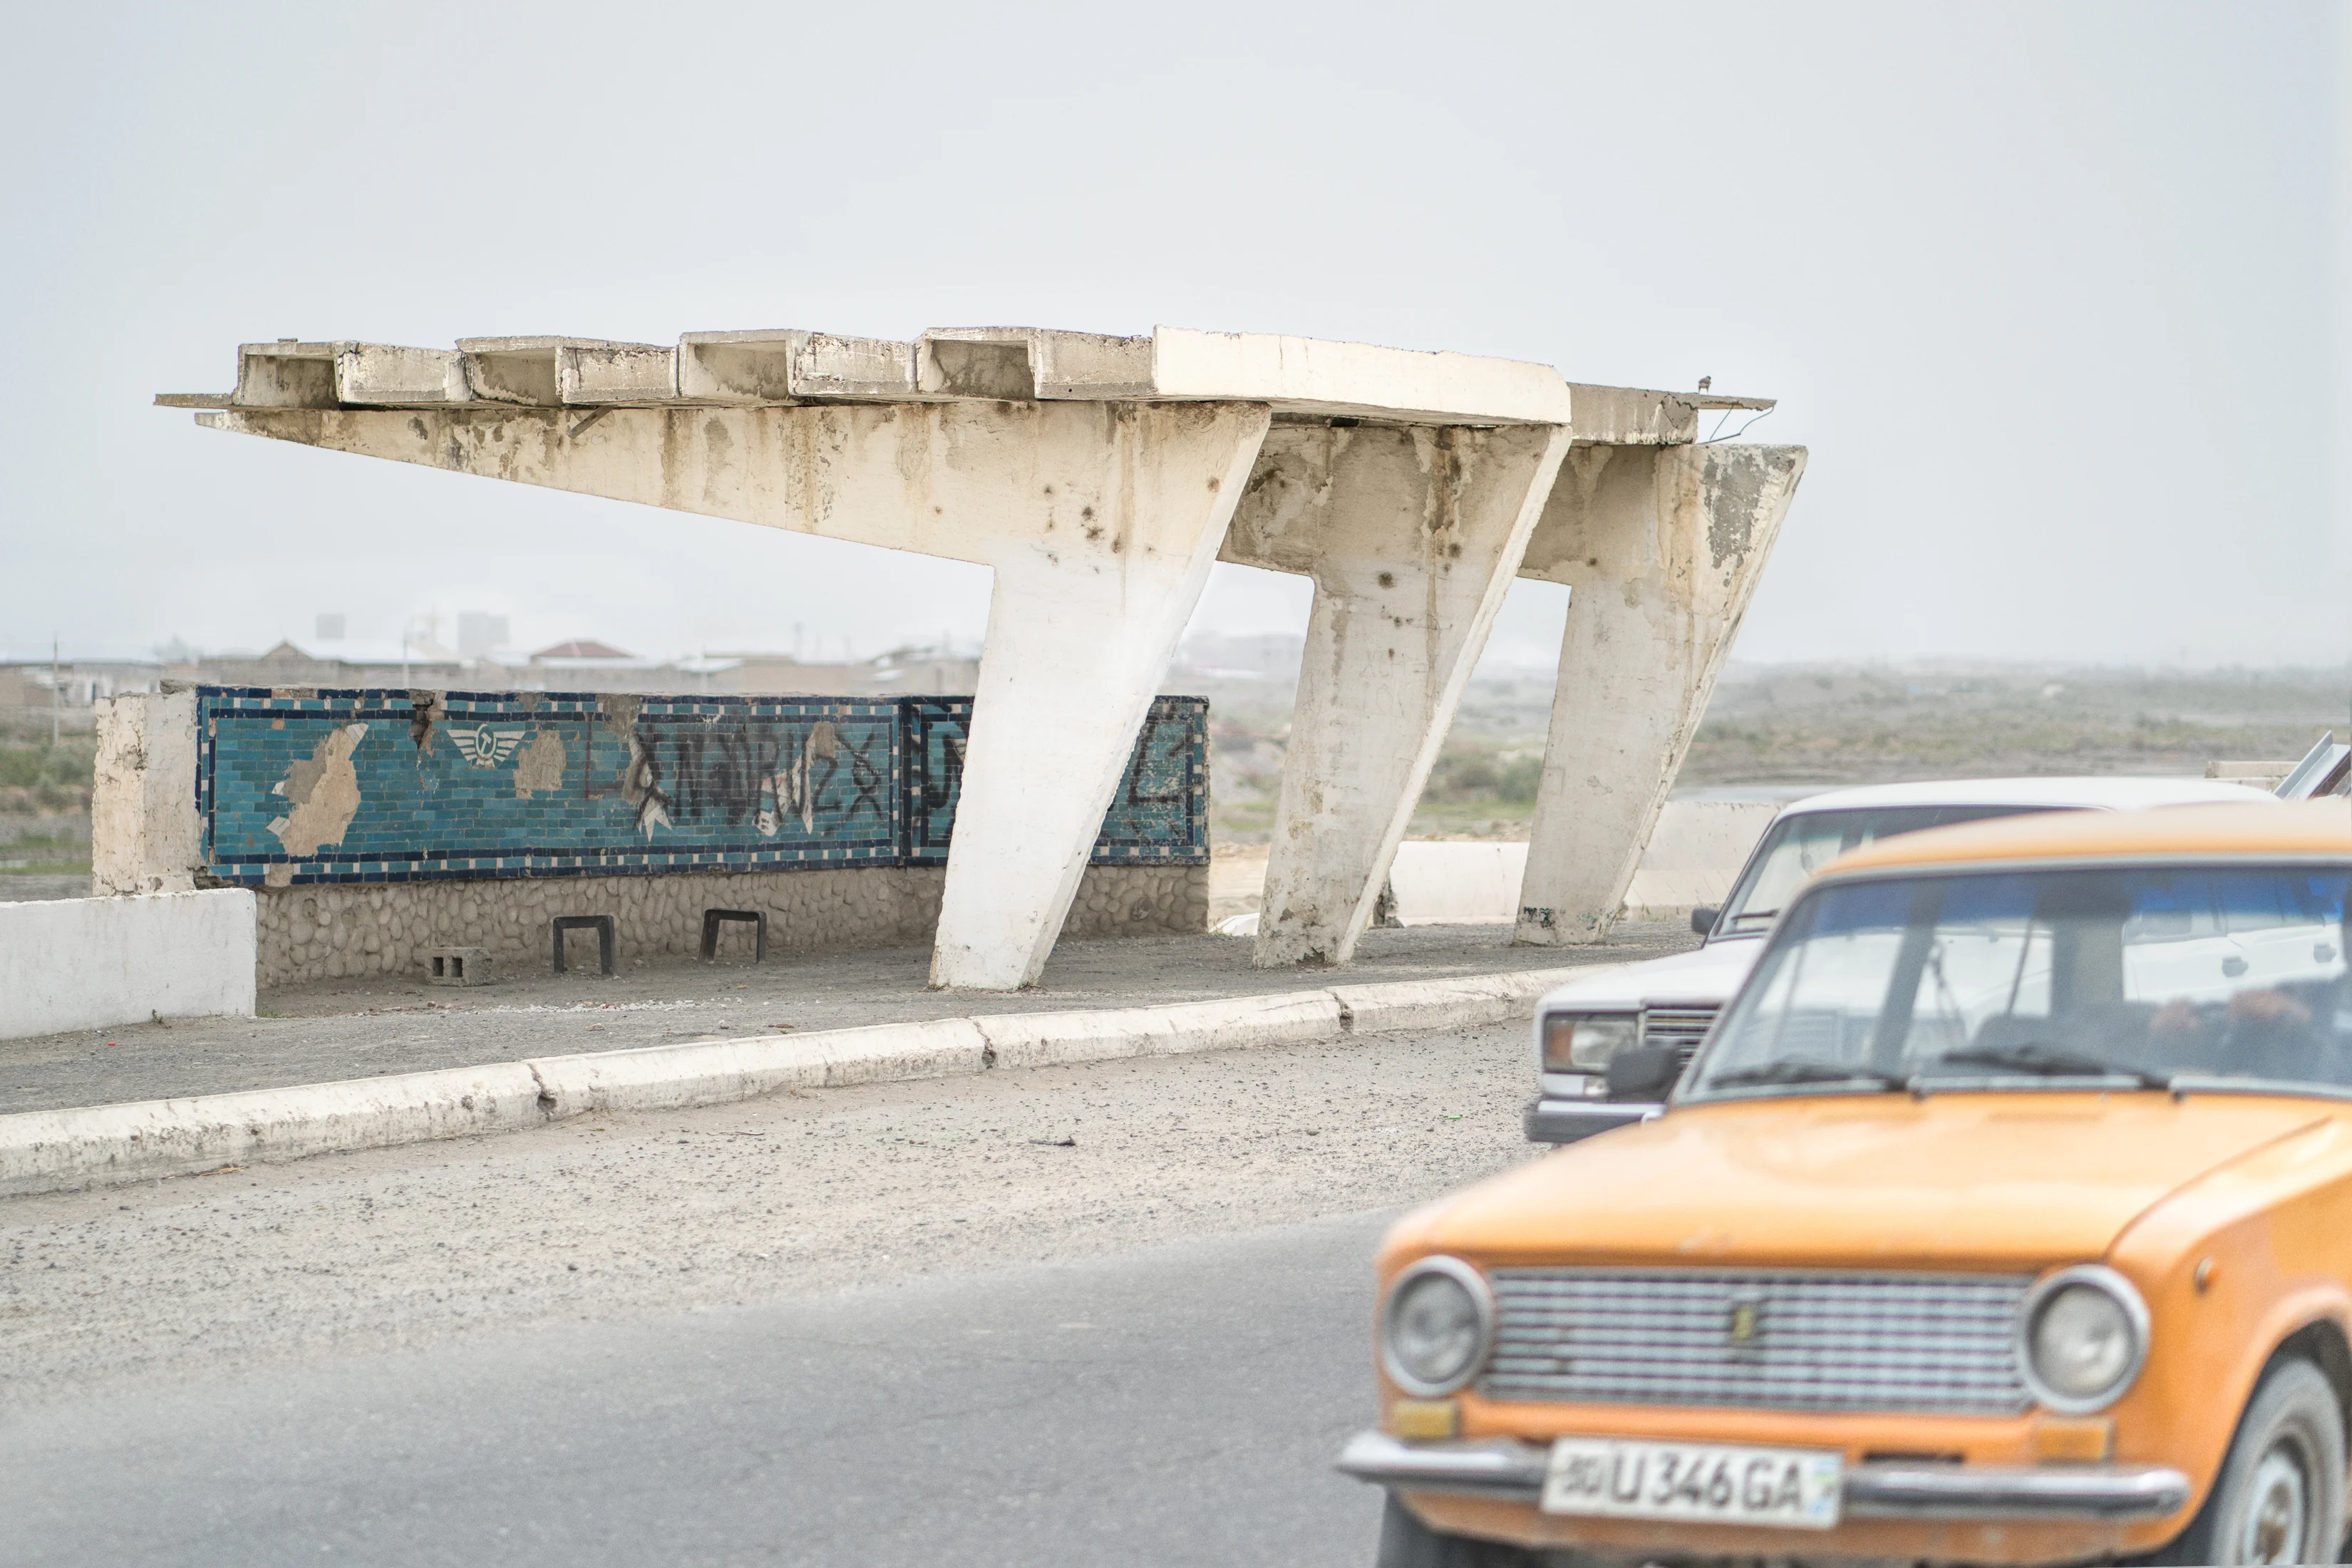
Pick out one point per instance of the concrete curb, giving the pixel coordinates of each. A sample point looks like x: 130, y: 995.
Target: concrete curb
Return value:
x: 50, y: 1151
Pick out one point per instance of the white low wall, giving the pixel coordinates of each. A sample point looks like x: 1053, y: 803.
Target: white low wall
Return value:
x: 90, y: 963
x: 1458, y: 883
x: 1697, y: 851
x: 1692, y: 858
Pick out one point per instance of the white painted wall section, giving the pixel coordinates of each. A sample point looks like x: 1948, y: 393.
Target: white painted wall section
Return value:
x: 91, y: 964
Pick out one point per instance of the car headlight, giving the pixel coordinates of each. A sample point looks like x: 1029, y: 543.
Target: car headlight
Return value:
x: 2082, y: 1336
x: 1435, y: 1328
x: 1583, y: 1042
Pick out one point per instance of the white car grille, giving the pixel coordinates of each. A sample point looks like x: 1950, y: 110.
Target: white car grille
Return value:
x: 1915, y: 1342
x: 1681, y: 1027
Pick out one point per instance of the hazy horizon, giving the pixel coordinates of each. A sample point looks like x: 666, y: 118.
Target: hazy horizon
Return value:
x: 2053, y: 295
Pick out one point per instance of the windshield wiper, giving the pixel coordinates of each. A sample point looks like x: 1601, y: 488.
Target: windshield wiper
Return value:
x: 2045, y: 1059
x: 1796, y: 1069
x: 1751, y: 915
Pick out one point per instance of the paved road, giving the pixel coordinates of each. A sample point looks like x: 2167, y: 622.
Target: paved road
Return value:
x: 1112, y: 1313
x: 1176, y: 1405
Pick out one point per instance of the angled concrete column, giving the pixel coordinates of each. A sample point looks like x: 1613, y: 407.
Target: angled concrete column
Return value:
x: 1662, y: 548
x: 1081, y: 627
x: 1412, y: 536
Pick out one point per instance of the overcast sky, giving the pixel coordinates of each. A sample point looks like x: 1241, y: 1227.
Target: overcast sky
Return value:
x: 2054, y: 294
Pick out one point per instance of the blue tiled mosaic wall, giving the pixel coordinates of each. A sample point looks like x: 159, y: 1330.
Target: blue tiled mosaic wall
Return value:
x: 391, y: 786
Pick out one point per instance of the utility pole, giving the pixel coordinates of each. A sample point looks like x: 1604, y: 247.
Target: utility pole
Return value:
x: 57, y: 693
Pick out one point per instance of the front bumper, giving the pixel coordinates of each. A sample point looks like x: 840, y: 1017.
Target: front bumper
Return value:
x: 1554, y: 1120
x: 1508, y: 1470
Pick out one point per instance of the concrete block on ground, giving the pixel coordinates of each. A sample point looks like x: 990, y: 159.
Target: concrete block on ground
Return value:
x: 89, y: 964
x: 459, y: 966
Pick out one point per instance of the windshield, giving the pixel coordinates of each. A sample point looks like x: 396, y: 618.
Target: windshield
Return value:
x: 2151, y: 976
x: 1803, y: 842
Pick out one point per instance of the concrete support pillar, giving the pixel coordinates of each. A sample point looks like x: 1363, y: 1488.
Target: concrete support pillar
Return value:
x: 1081, y: 627
x: 1412, y: 536
x: 1661, y: 548
x: 145, y: 837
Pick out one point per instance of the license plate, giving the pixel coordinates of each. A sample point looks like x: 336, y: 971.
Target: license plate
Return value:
x: 1718, y: 1483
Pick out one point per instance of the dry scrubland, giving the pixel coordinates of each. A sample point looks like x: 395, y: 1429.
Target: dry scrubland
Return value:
x: 1826, y: 725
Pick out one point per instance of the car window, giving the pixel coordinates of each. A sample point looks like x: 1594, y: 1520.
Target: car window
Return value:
x: 2050, y: 974
x: 1802, y: 843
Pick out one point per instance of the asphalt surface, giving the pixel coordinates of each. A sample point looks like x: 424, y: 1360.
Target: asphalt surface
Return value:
x: 1111, y: 1314
x: 1175, y: 1405
x: 346, y: 1029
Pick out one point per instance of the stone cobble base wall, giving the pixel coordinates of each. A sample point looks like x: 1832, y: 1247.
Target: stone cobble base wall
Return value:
x: 341, y: 930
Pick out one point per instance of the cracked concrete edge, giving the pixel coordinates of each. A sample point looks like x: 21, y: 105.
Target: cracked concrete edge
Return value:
x: 51, y: 1151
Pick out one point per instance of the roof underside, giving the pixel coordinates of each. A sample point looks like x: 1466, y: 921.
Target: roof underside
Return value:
x: 1299, y: 377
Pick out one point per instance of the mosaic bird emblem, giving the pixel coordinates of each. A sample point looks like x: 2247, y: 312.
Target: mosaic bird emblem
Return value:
x: 487, y: 748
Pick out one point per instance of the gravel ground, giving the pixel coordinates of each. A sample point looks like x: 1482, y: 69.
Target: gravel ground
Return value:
x: 631, y: 1217
x: 348, y: 1029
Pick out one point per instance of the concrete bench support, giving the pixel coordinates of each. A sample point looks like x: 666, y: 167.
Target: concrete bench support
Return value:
x: 1662, y: 548
x: 1412, y: 536
x: 606, y: 940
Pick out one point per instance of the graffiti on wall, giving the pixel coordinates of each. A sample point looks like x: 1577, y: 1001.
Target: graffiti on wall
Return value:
x: 393, y: 786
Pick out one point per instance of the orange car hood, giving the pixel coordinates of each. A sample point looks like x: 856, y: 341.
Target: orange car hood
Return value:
x: 1995, y: 1180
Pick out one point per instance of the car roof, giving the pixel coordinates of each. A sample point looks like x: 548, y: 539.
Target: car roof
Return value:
x: 2300, y: 830
x: 2096, y: 794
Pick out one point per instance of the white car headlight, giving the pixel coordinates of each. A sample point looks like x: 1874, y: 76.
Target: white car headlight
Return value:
x: 2082, y: 1336
x: 1583, y: 1042
x: 1436, y: 1326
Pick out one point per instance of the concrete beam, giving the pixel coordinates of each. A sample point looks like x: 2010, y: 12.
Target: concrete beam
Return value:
x: 1662, y: 548
x: 784, y: 366
x: 1638, y: 417
x: 1412, y: 536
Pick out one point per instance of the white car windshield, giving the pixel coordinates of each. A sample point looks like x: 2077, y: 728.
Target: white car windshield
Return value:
x: 2157, y: 976
x: 1802, y: 843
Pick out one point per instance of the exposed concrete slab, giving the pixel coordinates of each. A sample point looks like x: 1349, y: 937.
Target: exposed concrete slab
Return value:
x: 1662, y: 548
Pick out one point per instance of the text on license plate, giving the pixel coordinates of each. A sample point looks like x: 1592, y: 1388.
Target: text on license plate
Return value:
x: 1625, y: 1479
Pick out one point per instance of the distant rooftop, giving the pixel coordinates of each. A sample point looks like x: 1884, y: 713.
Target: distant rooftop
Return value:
x: 582, y: 648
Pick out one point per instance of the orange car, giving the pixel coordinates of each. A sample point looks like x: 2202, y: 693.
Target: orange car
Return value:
x: 2005, y: 1217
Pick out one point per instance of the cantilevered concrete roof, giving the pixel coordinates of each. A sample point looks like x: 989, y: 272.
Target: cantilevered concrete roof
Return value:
x: 1299, y: 377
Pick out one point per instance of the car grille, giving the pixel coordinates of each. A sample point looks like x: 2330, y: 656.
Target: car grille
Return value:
x: 1681, y: 1027
x: 1940, y: 1343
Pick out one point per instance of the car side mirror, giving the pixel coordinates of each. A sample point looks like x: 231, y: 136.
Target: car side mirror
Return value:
x: 1645, y: 1072
x: 1703, y: 920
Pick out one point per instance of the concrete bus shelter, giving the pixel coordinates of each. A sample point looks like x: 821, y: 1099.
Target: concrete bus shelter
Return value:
x: 1099, y: 477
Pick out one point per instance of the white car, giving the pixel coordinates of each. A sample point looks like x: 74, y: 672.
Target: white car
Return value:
x: 1609, y: 1047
